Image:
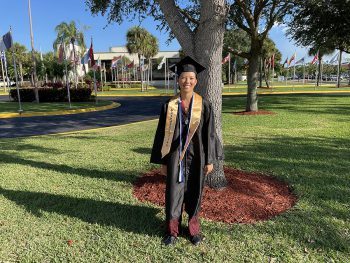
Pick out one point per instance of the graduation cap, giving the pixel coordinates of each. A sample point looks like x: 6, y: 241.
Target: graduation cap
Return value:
x: 187, y: 64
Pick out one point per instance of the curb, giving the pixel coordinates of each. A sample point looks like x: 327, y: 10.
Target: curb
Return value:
x: 90, y: 130
x: 62, y: 112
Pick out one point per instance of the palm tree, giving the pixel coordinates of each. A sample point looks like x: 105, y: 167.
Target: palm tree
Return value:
x: 136, y: 39
x: 321, y: 51
x: 151, y: 49
x: 69, y: 34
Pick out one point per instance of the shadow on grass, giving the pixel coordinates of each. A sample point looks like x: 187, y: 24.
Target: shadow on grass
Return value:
x: 122, y: 176
x: 298, y: 103
x: 142, y: 150
x: 318, y: 164
x: 127, y: 217
x: 318, y: 169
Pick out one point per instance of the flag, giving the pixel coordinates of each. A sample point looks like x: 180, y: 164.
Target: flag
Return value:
x: 6, y: 41
x: 3, y: 58
x: 300, y: 61
x: 334, y: 59
x: 291, y: 59
x: 131, y: 65
x: 85, y: 58
x: 285, y: 62
x: 226, y: 59
x: 91, y: 56
x: 315, y: 59
x: 98, y: 64
x: 115, y: 61
x: 161, y: 63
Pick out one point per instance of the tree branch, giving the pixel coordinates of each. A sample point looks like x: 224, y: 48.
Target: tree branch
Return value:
x: 247, y: 14
x: 188, y: 16
x: 239, y: 53
x: 178, y: 26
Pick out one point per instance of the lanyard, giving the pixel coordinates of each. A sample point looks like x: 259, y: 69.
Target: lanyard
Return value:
x: 181, y: 175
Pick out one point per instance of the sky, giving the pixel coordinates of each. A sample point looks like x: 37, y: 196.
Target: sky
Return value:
x: 46, y: 15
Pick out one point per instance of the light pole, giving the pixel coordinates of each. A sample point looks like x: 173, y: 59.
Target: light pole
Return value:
x: 33, y: 55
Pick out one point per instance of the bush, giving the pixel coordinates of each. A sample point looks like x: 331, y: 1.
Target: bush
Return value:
x: 53, y: 94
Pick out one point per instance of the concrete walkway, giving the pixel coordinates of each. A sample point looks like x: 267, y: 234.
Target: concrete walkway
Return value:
x: 132, y: 109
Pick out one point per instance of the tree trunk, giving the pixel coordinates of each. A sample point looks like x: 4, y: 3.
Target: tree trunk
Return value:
x: 208, y: 42
x: 141, y: 77
x: 339, y: 69
x: 266, y: 76
x: 319, y: 71
x: 75, y: 65
x: 205, y: 45
x: 252, y: 98
x: 21, y: 72
x: 260, y: 72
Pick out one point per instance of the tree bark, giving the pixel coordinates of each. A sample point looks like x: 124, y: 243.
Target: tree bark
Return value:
x: 208, y: 43
x: 319, y: 71
x: 339, y: 69
x: 205, y: 45
x: 21, y: 72
x: 252, y: 98
x: 266, y: 76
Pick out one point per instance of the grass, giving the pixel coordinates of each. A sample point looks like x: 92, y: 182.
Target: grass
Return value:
x: 78, y: 187
x: 239, y: 88
x: 12, y: 107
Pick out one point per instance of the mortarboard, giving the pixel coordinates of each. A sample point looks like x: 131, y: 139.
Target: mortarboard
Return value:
x: 187, y: 64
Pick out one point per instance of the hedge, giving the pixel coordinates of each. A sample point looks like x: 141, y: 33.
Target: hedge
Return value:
x: 53, y: 94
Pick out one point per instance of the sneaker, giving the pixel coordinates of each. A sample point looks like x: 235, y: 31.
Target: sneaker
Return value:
x: 197, y: 239
x: 169, y: 240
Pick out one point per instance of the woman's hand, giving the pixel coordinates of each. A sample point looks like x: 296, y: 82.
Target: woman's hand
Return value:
x: 163, y: 169
x: 208, y: 169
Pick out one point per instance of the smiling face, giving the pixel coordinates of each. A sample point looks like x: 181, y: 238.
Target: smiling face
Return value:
x: 187, y: 81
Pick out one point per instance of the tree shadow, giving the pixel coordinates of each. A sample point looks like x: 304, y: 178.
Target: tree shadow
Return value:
x: 123, y: 176
x: 318, y: 169
x: 131, y: 218
x: 142, y: 150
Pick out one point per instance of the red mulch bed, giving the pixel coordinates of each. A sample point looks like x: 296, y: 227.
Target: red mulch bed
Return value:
x: 248, y: 197
x: 259, y: 112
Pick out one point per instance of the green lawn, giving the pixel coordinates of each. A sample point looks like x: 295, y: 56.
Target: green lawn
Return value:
x: 241, y: 87
x: 79, y: 187
x: 12, y: 107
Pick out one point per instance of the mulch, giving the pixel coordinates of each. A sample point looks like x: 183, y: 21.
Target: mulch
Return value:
x: 259, y: 112
x: 248, y: 198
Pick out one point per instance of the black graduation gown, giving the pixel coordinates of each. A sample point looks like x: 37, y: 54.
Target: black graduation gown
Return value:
x: 204, y: 149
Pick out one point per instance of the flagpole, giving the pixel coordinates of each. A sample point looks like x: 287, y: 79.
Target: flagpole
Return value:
x: 229, y: 69
x: 6, y: 74
x: 123, y: 70
x: 321, y: 75
x: 304, y: 72
x: 175, y: 81
x: 273, y: 69
x: 165, y: 76
x: 2, y: 70
x: 33, y: 56
x: 67, y: 83
x: 16, y: 76
x: 338, y: 71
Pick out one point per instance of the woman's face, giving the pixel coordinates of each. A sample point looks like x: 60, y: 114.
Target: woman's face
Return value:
x: 187, y: 81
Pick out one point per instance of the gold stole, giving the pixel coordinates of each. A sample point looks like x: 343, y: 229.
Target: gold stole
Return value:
x: 170, y: 122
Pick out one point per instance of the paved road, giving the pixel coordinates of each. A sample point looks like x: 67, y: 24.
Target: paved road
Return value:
x: 132, y: 109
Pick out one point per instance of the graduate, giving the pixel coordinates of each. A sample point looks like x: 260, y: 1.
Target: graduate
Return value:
x: 186, y: 146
